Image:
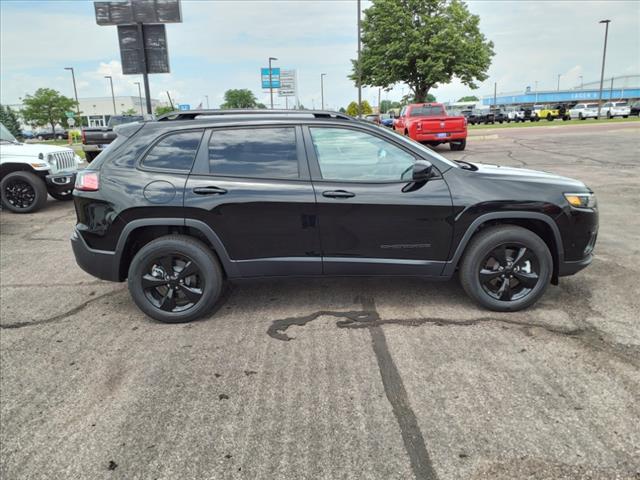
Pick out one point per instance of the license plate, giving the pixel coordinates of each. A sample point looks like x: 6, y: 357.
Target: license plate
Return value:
x: 441, y: 135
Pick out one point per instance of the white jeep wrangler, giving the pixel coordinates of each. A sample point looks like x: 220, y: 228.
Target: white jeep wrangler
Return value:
x: 29, y: 171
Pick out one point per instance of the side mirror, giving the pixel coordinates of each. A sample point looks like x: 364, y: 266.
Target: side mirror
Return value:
x: 422, y: 171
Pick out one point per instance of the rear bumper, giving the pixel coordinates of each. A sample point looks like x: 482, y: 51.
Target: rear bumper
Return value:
x: 99, y: 263
x: 60, y: 182
x: 92, y: 148
x: 433, y: 137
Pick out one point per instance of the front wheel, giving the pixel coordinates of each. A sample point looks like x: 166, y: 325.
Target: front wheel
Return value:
x: 175, y: 279
x: 506, y: 268
x: 23, y: 192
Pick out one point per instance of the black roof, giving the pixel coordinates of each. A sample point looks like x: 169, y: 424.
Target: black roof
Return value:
x: 204, y: 114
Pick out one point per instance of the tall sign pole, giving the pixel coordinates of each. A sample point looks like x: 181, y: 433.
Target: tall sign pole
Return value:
x: 145, y: 75
x: 604, y: 56
x: 359, y: 66
x: 271, y: 81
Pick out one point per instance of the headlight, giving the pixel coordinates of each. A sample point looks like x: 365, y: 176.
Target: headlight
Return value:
x: 581, y: 200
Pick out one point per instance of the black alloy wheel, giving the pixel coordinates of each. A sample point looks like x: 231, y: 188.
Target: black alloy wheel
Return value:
x: 173, y: 283
x: 19, y: 194
x: 509, y: 272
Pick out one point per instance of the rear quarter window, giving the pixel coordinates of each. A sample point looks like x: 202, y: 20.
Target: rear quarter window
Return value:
x: 175, y: 151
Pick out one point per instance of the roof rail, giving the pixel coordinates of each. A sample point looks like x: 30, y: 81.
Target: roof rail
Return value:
x: 193, y: 114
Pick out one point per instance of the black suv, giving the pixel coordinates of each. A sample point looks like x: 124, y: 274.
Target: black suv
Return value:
x: 181, y: 204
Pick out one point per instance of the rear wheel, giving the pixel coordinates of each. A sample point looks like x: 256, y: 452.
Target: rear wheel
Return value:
x: 457, y: 146
x: 23, y: 192
x: 175, y: 279
x: 506, y: 268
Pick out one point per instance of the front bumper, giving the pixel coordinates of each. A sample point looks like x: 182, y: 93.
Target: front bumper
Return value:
x: 60, y: 182
x: 99, y: 263
x: 570, y: 268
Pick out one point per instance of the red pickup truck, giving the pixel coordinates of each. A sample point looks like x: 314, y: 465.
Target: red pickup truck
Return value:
x: 429, y: 123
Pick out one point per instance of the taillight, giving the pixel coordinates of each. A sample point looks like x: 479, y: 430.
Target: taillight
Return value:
x: 87, y: 181
x: 465, y: 121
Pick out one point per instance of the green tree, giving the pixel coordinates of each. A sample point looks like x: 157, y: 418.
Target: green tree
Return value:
x: 365, y: 109
x: 239, y: 98
x: 422, y: 43
x: 47, y: 106
x: 130, y: 111
x: 342, y: 110
x: 162, y: 109
x: 410, y: 98
x: 469, y: 98
x: 352, y: 109
x: 10, y: 120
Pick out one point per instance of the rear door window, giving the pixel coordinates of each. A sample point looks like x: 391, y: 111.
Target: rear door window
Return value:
x: 174, y: 152
x: 254, y: 153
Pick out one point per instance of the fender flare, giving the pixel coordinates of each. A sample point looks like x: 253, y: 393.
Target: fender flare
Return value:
x: 218, y: 247
x: 450, y: 266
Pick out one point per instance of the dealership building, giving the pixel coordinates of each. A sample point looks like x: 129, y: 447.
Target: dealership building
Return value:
x: 616, y: 89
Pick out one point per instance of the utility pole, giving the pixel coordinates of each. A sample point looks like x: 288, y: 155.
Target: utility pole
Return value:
x: 581, y: 83
x: 271, y: 81
x: 558, y: 82
x: 359, y: 65
x: 495, y: 95
x: 604, y: 56
x: 75, y: 90
x: 379, y: 93
x: 140, y: 97
x: 322, y: 75
x: 536, y: 91
x: 611, y: 91
x: 207, y: 99
x: 113, y: 97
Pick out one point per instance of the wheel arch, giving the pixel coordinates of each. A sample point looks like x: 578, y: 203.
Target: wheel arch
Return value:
x: 540, y: 224
x: 138, y: 233
x: 9, y: 167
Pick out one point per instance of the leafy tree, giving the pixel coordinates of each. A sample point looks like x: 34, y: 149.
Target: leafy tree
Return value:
x: 385, y: 105
x: 161, y: 110
x: 469, y: 98
x: 410, y: 98
x: 130, y: 111
x: 239, y: 98
x: 342, y: 110
x: 365, y: 109
x: 47, y: 106
x: 422, y: 43
x: 10, y: 120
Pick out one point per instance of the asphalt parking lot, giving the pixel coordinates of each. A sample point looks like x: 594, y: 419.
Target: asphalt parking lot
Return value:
x: 334, y: 378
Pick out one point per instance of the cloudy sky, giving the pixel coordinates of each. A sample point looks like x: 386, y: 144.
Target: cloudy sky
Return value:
x: 223, y: 44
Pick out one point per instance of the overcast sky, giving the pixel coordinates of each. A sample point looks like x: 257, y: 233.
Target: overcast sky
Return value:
x: 223, y: 44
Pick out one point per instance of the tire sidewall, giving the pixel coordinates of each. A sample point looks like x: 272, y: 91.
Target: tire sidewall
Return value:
x: 197, y: 252
x: 483, y: 245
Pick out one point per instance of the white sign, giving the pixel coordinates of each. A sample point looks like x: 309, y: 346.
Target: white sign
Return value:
x: 71, y: 121
x: 288, y: 83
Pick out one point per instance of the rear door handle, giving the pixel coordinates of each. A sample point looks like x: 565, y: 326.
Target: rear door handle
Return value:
x: 210, y: 190
x: 338, y: 194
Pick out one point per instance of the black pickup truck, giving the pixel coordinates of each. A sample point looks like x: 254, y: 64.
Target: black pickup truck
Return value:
x: 95, y: 139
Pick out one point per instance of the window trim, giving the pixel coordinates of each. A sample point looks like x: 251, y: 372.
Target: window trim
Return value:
x: 201, y: 166
x: 140, y: 162
x: 314, y: 164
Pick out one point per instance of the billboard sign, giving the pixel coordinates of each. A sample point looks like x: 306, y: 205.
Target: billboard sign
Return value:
x: 275, y: 77
x: 130, y: 12
x: 184, y: 107
x: 155, y: 48
x: 288, y: 84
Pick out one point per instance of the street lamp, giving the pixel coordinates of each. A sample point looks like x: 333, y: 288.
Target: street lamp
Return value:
x: 559, y: 82
x: 322, y: 75
x: 75, y: 90
x: 604, y: 55
x: 113, y: 97
x: 140, y: 96
x: 536, y: 88
x: 581, y: 83
x: 271, y: 81
x: 207, y: 98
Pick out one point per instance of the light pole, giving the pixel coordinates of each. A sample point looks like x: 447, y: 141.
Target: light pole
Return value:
x: 75, y: 90
x: 113, y: 97
x: 536, y: 81
x: 322, y: 75
x: 604, y: 56
x: 581, y: 83
x: 359, y: 65
x: 207, y: 98
x: 558, y: 82
x: 140, y: 97
x: 271, y: 81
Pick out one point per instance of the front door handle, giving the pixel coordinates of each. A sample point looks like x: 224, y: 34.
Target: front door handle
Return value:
x: 338, y: 194
x: 210, y: 190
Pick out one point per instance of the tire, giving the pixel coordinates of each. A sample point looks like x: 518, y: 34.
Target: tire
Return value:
x: 550, y: 118
x: 625, y: 116
x: 458, y: 146
x: 478, y: 256
x: 23, y: 192
x: 40, y: 137
x: 63, y: 196
x: 206, y: 284
x: 609, y: 115
x: 90, y: 156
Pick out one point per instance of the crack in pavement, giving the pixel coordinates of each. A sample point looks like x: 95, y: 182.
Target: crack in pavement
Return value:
x: 64, y: 315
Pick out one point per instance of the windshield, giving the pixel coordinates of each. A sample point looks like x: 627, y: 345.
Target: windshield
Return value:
x: 426, y: 111
x: 5, y: 135
x: 427, y: 151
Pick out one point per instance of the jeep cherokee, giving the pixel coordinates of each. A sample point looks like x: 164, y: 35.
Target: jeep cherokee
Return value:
x: 178, y: 205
